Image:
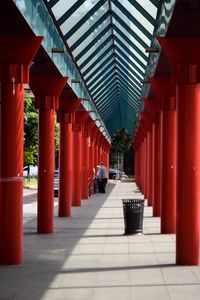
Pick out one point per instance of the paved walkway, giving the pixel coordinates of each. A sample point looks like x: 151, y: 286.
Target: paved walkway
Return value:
x: 89, y: 258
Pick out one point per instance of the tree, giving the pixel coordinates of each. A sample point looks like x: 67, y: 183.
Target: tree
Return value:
x: 120, y: 142
x: 30, y: 132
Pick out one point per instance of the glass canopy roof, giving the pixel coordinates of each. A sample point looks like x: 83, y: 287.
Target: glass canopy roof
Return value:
x: 108, y: 40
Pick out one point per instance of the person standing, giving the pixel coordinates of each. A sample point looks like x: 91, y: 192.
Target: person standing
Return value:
x: 103, y: 177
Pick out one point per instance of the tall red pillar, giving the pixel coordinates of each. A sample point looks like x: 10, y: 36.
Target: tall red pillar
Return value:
x: 151, y: 106
x: 65, y: 164
x: 85, y: 169
x: 183, y: 54
x: 97, y: 140
x: 165, y: 91
x: 188, y: 168
x: 149, y: 168
x: 14, y: 72
x: 93, y: 155
x: 168, y: 166
x: 146, y: 121
x: 78, y: 127
x: 46, y: 90
x: 68, y: 105
x: 89, y: 125
x: 156, y: 165
x: 77, y: 164
x: 91, y: 160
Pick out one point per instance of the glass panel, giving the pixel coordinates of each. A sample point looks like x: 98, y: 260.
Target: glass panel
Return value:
x: 93, y: 48
x: 130, y: 65
x: 136, y: 87
x: 85, y: 8
x: 129, y: 89
x: 96, y: 56
x: 131, y: 25
x: 61, y: 7
x: 131, y: 37
x: 109, y: 77
x: 128, y: 72
x: 148, y: 6
x: 122, y: 49
x: 99, y: 63
x: 93, y: 85
x: 91, y: 37
x: 130, y: 48
x: 103, y: 67
x: 138, y: 16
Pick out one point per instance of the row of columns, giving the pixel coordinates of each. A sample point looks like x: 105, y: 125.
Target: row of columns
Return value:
x: 82, y: 145
x: 167, y: 148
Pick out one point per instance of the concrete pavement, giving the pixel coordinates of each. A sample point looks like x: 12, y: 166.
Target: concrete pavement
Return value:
x: 89, y: 258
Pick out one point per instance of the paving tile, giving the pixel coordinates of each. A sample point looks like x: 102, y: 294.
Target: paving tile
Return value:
x: 90, y: 258
x: 150, y: 292
x: 184, y: 291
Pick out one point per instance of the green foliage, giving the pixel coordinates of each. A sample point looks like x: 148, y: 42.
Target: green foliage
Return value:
x: 30, y: 132
x: 56, y: 136
x: 121, y: 142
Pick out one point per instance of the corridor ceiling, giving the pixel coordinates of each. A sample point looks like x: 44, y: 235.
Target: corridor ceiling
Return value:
x: 108, y: 41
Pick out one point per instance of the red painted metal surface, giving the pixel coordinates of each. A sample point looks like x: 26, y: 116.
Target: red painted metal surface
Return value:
x: 46, y: 170
x: 149, y: 167
x: 89, y: 125
x: 47, y: 103
x: 165, y: 92
x: 85, y: 169
x: 65, y: 165
x: 181, y: 50
x: 19, y: 50
x: 183, y: 55
x: 16, y: 54
x: 156, y: 166
x: 80, y: 184
x: 66, y: 117
x: 77, y: 164
x: 188, y: 172
x: 11, y: 172
x: 168, y: 171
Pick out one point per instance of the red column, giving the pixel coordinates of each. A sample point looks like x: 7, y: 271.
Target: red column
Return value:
x: 138, y: 166
x: 156, y: 165
x: 145, y: 165
x: 93, y: 154
x: 66, y: 116
x: 96, y: 155
x: 149, y: 169
x: 100, y: 149
x: 146, y: 121
x: 77, y: 164
x: 89, y: 125
x: 42, y: 86
x: 186, y: 50
x: 80, y: 118
x: 188, y: 168
x: 14, y: 73
x: 168, y: 167
x: 165, y: 92
x: 85, y: 170
x: 92, y: 166
x: 65, y: 164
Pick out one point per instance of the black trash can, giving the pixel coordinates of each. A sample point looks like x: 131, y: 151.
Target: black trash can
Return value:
x: 133, y: 215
